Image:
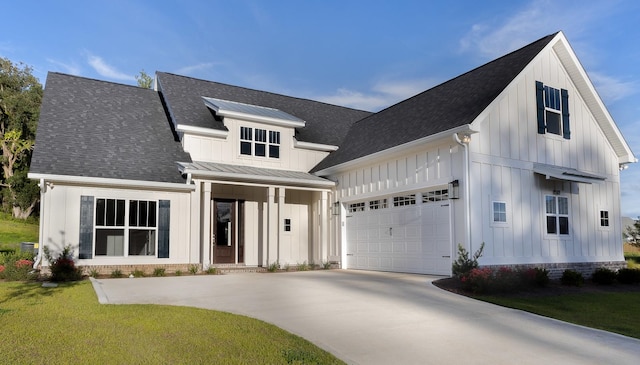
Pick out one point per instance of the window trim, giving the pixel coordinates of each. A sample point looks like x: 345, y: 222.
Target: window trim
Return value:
x: 601, y: 219
x: 557, y: 215
x: 254, y: 138
x: 543, y: 106
x: 493, y: 214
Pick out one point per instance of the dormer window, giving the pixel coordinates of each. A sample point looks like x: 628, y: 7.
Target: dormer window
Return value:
x: 254, y: 142
x: 553, y: 110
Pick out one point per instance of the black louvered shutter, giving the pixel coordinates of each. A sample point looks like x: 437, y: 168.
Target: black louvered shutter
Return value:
x: 163, y: 228
x: 540, y: 107
x: 566, y: 131
x: 86, y: 227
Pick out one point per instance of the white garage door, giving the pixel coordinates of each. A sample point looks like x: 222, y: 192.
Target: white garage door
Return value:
x: 413, y: 239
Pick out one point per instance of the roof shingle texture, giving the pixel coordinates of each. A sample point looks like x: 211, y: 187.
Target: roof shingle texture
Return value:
x: 449, y: 105
x: 325, y: 123
x: 100, y: 129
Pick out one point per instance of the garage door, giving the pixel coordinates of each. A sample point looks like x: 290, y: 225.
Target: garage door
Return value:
x: 412, y: 238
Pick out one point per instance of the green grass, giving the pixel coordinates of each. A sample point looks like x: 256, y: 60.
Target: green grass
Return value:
x: 14, y: 231
x: 67, y: 325
x: 610, y: 311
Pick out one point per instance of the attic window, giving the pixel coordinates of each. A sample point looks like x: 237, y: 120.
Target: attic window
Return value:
x: 553, y: 110
x: 254, y: 142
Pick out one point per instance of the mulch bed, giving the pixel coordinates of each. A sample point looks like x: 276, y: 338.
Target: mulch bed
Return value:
x: 553, y: 289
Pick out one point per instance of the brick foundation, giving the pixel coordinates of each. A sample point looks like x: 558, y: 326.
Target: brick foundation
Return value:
x: 556, y: 269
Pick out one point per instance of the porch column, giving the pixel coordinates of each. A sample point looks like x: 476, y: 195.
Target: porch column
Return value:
x: 206, y: 225
x: 195, y: 239
x: 324, y: 227
x: 279, y: 222
x: 272, y: 226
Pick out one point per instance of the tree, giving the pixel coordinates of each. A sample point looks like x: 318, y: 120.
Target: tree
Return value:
x: 144, y: 80
x: 633, y: 232
x: 20, y: 99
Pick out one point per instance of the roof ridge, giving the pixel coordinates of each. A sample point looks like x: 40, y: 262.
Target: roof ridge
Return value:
x: 97, y: 80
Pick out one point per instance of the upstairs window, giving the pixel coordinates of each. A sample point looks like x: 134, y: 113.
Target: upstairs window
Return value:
x: 254, y: 142
x: 552, y: 110
x: 604, y: 218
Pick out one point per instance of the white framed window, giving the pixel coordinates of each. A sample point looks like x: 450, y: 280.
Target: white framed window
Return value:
x: 400, y: 201
x: 435, y: 195
x: 125, y: 227
x: 552, y: 110
x: 356, y: 207
x: 377, y: 204
x: 499, y: 212
x: 259, y: 142
x: 557, y: 214
x: 604, y: 219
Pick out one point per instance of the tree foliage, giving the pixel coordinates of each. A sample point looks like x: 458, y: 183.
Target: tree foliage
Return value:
x: 634, y: 233
x: 144, y: 80
x: 20, y: 99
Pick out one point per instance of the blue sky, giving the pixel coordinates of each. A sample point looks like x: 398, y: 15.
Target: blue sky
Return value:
x: 363, y: 54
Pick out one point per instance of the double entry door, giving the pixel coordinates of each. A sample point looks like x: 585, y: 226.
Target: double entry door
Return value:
x: 228, y: 237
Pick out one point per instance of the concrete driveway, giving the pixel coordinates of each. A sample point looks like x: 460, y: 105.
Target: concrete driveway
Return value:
x: 383, y: 318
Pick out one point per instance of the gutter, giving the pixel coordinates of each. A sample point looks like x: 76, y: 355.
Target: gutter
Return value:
x: 43, y: 189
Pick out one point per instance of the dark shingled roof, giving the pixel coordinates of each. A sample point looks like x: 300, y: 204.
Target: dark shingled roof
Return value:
x: 325, y: 123
x: 452, y: 104
x: 100, y: 129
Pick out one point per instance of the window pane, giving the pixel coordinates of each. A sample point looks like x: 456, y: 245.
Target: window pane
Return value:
x: 551, y: 225
x: 274, y: 137
x: 111, y: 213
x: 564, y: 225
x: 245, y: 148
x: 142, y: 214
x: 261, y: 135
x: 553, y: 122
x: 152, y: 214
x: 109, y: 242
x: 120, y: 213
x: 133, y: 213
x: 245, y: 133
x: 142, y: 242
x: 274, y: 151
x: 563, y: 205
x: 100, y: 212
x: 260, y: 149
x: 551, y: 204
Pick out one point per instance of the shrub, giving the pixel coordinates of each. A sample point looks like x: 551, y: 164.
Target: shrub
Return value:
x: 478, y: 280
x: 193, y: 269
x: 117, y: 273
x: 603, y: 276
x: 572, y: 278
x: 16, y: 266
x: 275, y: 266
x: 506, y: 280
x: 137, y: 273
x: 63, y: 268
x: 159, y: 271
x: 94, y: 273
x: 628, y: 276
x: 211, y: 270
x: 464, y: 263
x: 178, y: 273
x: 303, y: 266
x: 326, y: 265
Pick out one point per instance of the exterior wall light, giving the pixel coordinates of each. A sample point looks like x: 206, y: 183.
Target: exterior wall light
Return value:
x: 454, y: 189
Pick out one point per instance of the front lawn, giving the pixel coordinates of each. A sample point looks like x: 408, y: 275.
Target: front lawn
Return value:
x: 613, y: 311
x: 67, y: 325
x: 14, y: 231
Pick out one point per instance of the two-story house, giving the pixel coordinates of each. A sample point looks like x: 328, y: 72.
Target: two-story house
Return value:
x: 519, y: 153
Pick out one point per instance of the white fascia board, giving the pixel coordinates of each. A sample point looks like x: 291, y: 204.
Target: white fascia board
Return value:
x: 121, y: 183
x: 314, y: 146
x: 207, y: 132
x: 254, y: 118
x: 397, y: 150
x: 263, y: 179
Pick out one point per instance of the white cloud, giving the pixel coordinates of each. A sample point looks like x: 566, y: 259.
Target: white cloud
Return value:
x: 381, y: 95
x: 108, y: 71
x: 610, y: 88
x: 71, y: 68
x: 189, y: 70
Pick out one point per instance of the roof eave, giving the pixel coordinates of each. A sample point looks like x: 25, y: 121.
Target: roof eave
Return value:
x: 101, y: 181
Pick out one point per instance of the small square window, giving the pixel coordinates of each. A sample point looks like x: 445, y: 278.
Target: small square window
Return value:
x: 499, y: 212
x: 604, y: 218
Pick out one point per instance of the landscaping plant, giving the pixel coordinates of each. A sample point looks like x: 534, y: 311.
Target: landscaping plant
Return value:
x: 603, y: 276
x: 16, y: 267
x: 465, y: 263
x: 63, y: 268
x: 571, y: 278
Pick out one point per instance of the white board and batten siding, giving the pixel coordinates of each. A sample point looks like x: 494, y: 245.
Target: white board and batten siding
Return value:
x: 413, y: 238
x: 502, y: 157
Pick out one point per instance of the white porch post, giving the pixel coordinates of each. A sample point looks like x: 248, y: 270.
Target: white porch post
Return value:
x: 324, y: 227
x: 272, y: 226
x: 195, y: 252
x: 279, y: 223
x: 206, y: 225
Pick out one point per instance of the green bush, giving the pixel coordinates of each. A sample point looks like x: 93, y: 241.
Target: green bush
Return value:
x: 137, y: 273
x: 17, y: 266
x: 193, y: 269
x: 535, y: 277
x: 465, y: 263
x: 178, y: 273
x: 571, y: 278
x: 94, y: 273
x: 303, y: 266
x: 63, y: 268
x: 211, y: 271
x: 159, y: 271
x: 506, y: 280
x: 275, y: 266
x: 628, y: 276
x: 603, y: 276
x: 117, y: 273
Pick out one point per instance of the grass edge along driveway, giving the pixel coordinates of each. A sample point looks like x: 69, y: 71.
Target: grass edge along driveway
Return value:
x: 67, y: 325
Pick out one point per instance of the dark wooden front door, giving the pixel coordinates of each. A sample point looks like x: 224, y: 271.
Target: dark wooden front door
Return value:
x: 227, y: 224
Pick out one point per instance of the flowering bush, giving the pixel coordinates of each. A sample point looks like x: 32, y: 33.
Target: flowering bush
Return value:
x: 465, y: 263
x: 15, y: 267
x: 503, y: 279
x: 64, y: 267
x: 535, y: 277
x: 478, y: 280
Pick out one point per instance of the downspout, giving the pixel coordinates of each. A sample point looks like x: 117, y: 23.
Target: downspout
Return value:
x: 43, y: 189
x: 467, y: 199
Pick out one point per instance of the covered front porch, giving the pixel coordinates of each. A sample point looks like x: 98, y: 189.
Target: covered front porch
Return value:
x: 255, y: 217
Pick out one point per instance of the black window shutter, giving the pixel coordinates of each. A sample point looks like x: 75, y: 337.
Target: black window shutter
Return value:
x: 86, y: 227
x: 566, y: 131
x: 540, y: 107
x: 163, y: 228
